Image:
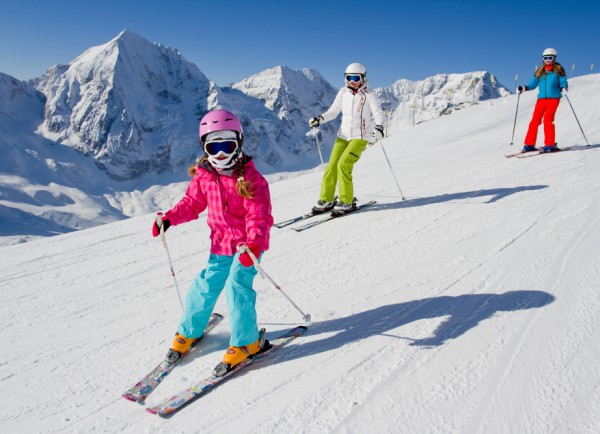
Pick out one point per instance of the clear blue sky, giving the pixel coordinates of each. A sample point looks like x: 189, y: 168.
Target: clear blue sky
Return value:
x: 230, y: 40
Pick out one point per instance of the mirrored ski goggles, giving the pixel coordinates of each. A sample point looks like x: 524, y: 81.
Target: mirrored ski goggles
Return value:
x: 227, y: 146
x: 548, y: 57
x: 353, y: 77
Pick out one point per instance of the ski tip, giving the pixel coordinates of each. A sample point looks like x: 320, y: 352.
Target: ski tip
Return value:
x: 298, y: 330
x: 128, y: 397
x: 139, y: 399
x: 151, y: 411
x: 217, y: 314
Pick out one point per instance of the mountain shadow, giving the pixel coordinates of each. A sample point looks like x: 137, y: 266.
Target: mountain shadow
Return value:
x: 464, y: 313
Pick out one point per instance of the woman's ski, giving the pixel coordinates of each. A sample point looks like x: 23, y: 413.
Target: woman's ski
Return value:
x: 331, y: 216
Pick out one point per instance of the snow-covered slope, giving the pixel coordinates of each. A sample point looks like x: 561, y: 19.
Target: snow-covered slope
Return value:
x: 472, y: 306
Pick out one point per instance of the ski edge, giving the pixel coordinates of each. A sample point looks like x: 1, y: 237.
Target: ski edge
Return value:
x: 332, y: 216
x: 540, y: 152
x: 291, y: 221
x: 306, y: 216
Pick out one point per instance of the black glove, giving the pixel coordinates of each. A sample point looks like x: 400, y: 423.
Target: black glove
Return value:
x: 316, y: 121
x: 378, y: 133
x: 520, y: 89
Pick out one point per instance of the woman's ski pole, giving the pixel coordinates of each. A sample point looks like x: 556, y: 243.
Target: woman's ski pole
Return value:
x: 390, y: 164
x: 318, y: 145
x: 263, y: 274
x: 569, y: 101
x: 515, y: 123
x: 159, y: 222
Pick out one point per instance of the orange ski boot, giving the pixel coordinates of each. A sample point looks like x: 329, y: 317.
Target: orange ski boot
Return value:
x: 180, y: 346
x: 236, y: 355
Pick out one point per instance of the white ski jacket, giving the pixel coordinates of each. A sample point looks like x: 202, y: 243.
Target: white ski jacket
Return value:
x: 357, y: 110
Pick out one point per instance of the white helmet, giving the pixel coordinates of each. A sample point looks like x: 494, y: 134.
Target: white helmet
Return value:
x: 356, y: 69
x: 549, y: 52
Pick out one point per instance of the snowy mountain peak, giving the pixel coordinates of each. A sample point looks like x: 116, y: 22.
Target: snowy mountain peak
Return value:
x: 126, y: 103
x: 284, y: 89
x: 12, y: 93
x: 412, y: 102
x: 292, y: 97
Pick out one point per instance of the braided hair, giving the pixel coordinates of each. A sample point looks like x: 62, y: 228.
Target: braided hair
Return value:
x: 244, y: 188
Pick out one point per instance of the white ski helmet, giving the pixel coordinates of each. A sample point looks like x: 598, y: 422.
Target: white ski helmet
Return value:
x: 356, y: 69
x: 549, y: 52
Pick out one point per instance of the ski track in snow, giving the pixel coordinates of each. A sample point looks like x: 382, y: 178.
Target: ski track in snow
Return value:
x: 471, y: 306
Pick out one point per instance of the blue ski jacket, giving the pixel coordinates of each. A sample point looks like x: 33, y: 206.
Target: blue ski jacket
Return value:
x: 550, y: 83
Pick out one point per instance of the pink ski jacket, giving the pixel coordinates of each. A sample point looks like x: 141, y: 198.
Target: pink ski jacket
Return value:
x: 233, y: 219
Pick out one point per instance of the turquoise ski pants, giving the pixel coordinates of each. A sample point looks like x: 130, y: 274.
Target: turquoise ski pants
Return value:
x: 222, y: 272
x: 339, y: 170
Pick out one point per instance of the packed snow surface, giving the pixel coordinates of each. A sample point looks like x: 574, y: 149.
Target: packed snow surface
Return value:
x: 472, y: 306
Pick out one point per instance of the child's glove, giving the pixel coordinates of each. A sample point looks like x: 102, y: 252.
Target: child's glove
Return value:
x: 160, y: 222
x: 520, y: 89
x: 245, y: 258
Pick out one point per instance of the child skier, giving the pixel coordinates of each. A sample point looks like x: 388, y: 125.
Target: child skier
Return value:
x: 357, y: 105
x: 237, y: 196
x: 552, y: 80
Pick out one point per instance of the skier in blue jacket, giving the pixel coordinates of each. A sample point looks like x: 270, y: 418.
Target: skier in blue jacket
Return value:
x: 551, y: 79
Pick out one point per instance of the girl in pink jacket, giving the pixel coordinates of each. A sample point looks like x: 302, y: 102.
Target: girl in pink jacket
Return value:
x: 237, y: 196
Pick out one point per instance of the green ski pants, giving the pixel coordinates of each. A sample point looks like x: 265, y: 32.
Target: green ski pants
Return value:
x: 341, y: 162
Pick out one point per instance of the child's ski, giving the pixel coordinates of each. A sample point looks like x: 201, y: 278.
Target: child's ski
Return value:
x: 174, y: 403
x: 140, y: 391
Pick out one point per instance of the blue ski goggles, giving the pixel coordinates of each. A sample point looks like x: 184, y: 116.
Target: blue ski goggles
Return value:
x: 548, y: 57
x: 354, y: 77
x: 227, y: 146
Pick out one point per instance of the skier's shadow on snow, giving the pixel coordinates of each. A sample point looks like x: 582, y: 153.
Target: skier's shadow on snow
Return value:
x: 495, y: 193
x: 463, y: 313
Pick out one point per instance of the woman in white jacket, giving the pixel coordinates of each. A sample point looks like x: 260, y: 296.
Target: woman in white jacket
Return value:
x: 357, y: 105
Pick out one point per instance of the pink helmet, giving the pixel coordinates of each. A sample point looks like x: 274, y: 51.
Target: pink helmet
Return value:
x: 218, y: 120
